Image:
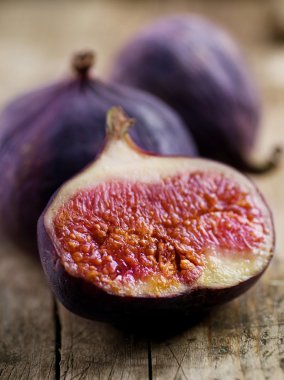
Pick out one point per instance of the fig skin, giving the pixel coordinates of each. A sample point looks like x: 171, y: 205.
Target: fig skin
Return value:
x: 86, y: 299
x: 195, y: 67
x: 50, y: 134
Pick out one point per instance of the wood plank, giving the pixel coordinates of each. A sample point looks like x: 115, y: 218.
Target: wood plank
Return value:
x: 95, y: 350
x: 27, y: 338
x: 241, y: 340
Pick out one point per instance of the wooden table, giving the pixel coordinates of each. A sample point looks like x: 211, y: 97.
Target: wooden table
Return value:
x: 39, y: 339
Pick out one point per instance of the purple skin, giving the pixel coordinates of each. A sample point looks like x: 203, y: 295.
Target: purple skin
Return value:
x: 85, y: 299
x: 195, y: 67
x: 49, y: 135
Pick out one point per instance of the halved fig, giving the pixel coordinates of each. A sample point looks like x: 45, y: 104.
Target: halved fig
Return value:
x: 140, y: 235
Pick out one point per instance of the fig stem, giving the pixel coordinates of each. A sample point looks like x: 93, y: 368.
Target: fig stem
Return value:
x: 267, y: 166
x: 83, y: 61
x: 118, y: 123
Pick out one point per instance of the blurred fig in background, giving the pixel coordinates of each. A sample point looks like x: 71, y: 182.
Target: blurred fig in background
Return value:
x: 195, y: 67
x: 50, y: 134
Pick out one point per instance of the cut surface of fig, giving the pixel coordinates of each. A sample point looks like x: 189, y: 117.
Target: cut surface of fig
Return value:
x: 138, y: 225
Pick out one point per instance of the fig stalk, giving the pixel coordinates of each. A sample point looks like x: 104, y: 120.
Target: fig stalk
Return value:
x: 83, y: 61
x: 118, y: 124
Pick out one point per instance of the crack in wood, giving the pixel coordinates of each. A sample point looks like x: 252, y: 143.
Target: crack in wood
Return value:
x: 57, y: 326
x: 150, y: 370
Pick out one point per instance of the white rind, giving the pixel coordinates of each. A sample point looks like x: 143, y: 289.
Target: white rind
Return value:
x: 222, y: 269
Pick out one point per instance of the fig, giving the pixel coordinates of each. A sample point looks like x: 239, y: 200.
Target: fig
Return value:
x: 49, y: 135
x: 139, y: 235
x: 196, y: 67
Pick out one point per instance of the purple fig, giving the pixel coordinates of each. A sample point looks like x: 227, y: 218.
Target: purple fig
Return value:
x: 139, y: 235
x: 50, y: 134
x: 195, y: 67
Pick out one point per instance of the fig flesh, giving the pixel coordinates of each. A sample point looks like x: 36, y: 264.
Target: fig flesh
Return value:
x: 49, y: 135
x: 140, y: 235
x: 196, y: 67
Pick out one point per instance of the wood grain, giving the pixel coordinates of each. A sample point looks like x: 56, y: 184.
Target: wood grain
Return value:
x: 95, y: 350
x: 41, y: 340
x: 241, y: 340
x: 27, y: 331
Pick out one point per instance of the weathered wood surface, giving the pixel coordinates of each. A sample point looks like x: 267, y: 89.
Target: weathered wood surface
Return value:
x: 27, y: 330
x: 95, y: 350
x: 40, y: 339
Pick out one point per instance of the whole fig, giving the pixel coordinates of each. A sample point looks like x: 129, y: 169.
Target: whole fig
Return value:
x: 195, y: 67
x: 47, y: 136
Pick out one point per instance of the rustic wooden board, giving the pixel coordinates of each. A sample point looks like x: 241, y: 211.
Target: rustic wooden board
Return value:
x: 95, y: 350
x: 242, y: 340
x: 40, y: 339
x: 27, y: 330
